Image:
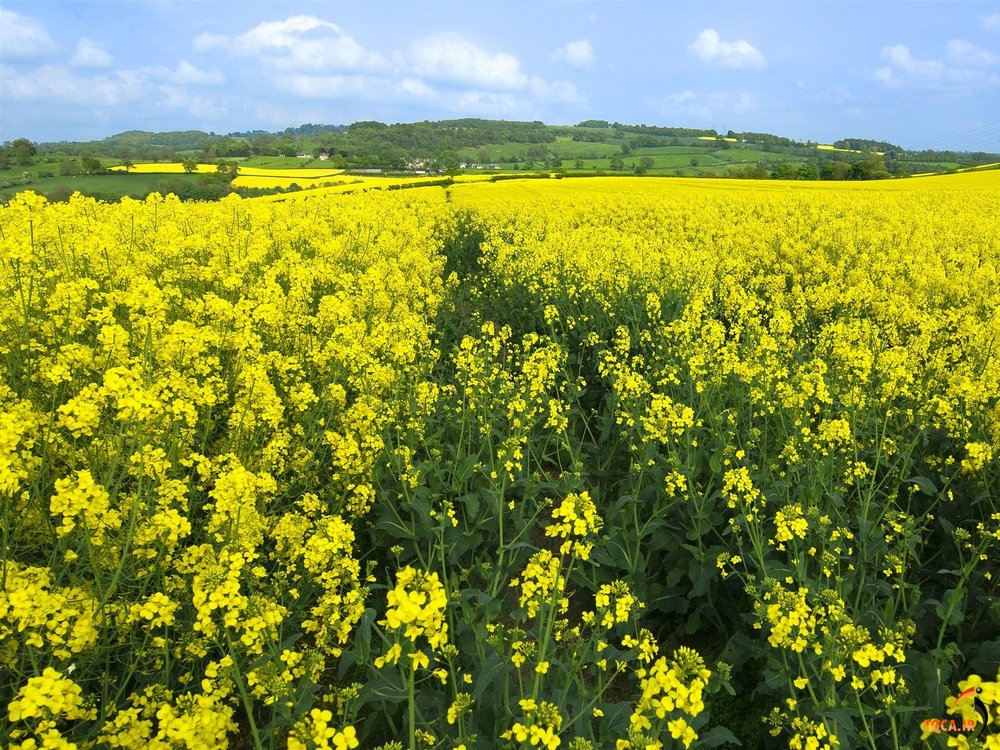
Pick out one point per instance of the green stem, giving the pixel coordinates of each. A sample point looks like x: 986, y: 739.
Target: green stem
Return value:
x: 864, y: 721
x: 244, y: 696
x: 412, y: 709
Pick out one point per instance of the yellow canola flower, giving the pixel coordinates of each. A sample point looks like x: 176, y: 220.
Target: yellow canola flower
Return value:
x: 416, y: 606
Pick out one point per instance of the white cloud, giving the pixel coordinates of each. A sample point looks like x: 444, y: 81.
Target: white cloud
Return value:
x: 54, y: 81
x: 709, y: 106
x: 452, y: 57
x: 24, y: 37
x: 991, y: 22
x: 416, y: 88
x: 901, y: 61
x: 967, y: 53
x: 964, y: 70
x: 105, y: 89
x: 90, y: 54
x: 296, y: 43
x: 198, y: 105
x: 315, y: 86
x: 350, y: 86
x: 317, y: 60
x: 186, y: 74
x: 712, y: 50
x: 579, y: 54
x: 563, y: 92
x: 490, y: 103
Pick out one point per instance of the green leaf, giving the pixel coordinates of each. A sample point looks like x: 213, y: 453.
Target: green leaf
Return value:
x: 471, y: 504
x: 950, y: 610
x: 717, y: 736
x: 491, y: 671
x: 926, y: 485
x: 464, y: 470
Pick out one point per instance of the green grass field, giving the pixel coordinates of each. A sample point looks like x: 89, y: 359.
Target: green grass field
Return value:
x: 282, y: 162
x: 112, y: 185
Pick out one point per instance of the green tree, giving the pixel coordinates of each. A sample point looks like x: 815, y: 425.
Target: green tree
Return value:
x: 808, y: 172
x: 617, y: 163
x: 92, y: 165
x: 872, y: 167
x: 786, y: 171
x: 190, y: 165
x: 835, y: 170
x: 228, y: 169
x: 22, y: 150
x: 579, y: 162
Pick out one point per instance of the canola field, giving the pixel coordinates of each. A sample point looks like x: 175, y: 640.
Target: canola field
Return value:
x: 595, y: 463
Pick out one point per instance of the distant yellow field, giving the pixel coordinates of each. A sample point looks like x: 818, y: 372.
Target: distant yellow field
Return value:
x: 347, y: 183
x: 248, y: 176
x: 845, y: 150
x: 313, y: 181
x: 616, y: 187
x: 263, y: 178
x: 351, y: 183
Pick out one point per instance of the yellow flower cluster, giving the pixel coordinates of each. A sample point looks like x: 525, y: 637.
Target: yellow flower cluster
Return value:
x: 672, y: 689
x: 790, y: 524
x: 81, y: 501
x: 417, y: 605
x: 541, y: 725
x: 193, y: 410
x: 575, y: 520
x: 541, y: 583
x: 36, y: 614
x: 315, y: 733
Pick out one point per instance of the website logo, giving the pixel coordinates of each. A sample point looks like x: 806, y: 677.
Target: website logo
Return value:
x: 971, y: 727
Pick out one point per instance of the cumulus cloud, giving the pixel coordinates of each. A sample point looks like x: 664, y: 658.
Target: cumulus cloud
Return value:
x: 712, y: 50
x: 59, y: 82
x: 967, y: 53
x: 964, y: 69
x: 563, y: 92
x: 452, y: 57
x: 24, y: 37
x: 707, y: 106
x: 186, y: 74
x: 372, y: 88
x: 106, y: 89
x: 198, y: 105
x: 902, y: 62
x: 296, y: 43
x: 579, y: 54
x: 314, y: 59
x: 90, y: 54
x: 991, y: 22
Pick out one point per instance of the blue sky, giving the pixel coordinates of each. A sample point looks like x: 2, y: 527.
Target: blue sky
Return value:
x: 918, y: 74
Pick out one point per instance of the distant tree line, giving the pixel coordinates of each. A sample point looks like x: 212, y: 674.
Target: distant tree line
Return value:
x: 864, y: 144
x: 871, y: 167
x: 443, y: 146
